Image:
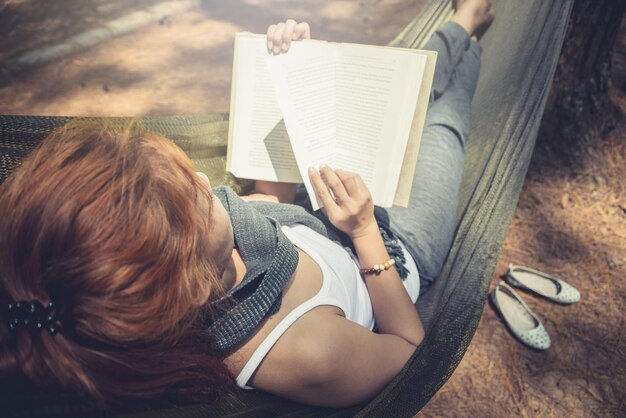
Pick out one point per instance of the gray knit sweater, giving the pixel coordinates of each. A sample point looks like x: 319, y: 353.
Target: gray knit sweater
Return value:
x: 271, y: 260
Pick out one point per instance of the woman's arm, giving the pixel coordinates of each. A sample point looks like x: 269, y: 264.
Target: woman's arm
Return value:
x: 325, y: 359
x: 394, y: 311
x: 350, y: 209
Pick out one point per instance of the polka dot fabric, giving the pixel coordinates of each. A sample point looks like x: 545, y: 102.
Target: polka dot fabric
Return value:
x: 566, y: 295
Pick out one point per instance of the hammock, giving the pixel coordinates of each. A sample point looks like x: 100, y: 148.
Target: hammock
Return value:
x: 521, y: 50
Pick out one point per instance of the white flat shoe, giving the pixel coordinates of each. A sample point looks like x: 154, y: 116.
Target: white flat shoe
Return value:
x: 519, y: 319
x: 542, y: 284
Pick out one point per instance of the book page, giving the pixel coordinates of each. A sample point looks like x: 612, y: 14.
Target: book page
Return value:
x: 346, y: 105
x: 407, y: 172
x: 377, y: 90
x: 259, y: 146
x: 305, y: 88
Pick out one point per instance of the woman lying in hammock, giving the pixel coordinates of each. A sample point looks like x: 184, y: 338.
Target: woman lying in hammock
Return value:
x: 136, y: 279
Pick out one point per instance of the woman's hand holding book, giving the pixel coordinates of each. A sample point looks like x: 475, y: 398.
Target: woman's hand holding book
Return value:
x: 280, y: 35
x: 347, y: 201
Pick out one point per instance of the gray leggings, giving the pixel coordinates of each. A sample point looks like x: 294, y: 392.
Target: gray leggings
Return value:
x: 427, y: 225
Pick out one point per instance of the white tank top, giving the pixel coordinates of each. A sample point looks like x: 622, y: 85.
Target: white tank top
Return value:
x: 342, y: 286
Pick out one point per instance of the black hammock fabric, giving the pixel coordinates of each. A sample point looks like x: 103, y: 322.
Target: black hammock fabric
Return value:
x: 521, y: 50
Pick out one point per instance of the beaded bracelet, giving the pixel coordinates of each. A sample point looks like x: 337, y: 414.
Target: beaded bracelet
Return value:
x: 377, y: 268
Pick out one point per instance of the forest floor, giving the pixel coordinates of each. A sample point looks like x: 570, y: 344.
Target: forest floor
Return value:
x: 570, y: 220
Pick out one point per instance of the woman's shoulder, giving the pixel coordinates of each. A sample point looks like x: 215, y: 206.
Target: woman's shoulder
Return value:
x: 304, y: 284
x: 321, y: 358
x: 305, y: 338
x: 327, y: 360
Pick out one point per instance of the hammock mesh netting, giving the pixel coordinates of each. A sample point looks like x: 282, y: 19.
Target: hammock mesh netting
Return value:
x: 521, y: 50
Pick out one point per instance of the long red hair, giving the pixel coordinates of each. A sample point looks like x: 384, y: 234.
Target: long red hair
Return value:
x: 111, y: 223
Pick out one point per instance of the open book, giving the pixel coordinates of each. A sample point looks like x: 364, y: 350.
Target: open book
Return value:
x: 356, y: 107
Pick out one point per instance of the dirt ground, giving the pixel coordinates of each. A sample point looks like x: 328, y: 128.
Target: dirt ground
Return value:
x: 570, y: 221
x: 180, y: 65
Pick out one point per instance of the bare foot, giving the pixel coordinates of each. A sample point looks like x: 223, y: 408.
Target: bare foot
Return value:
x: 475, y: 16
x: 488, y: 20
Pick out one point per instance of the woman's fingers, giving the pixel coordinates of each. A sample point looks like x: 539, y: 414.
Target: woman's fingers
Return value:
x: 302, y: 31
x: 280, y: 35
x: 321, y: 190
x: 270, y: 37
x: 290, y: 25
x: 350, y: 181
x: 277, y: 37
x: 334, y: 183
x: 344, y: 185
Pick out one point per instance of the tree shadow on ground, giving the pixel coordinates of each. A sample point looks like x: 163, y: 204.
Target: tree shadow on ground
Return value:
x: 29, y: 24
x: 96, y: 77
x: 554, y: 155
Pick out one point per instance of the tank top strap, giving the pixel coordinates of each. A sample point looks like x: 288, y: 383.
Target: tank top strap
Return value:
x: 332, y: 292
x: 267, y: 344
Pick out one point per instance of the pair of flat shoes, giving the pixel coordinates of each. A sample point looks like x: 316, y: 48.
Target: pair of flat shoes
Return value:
x: 518, y: 317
